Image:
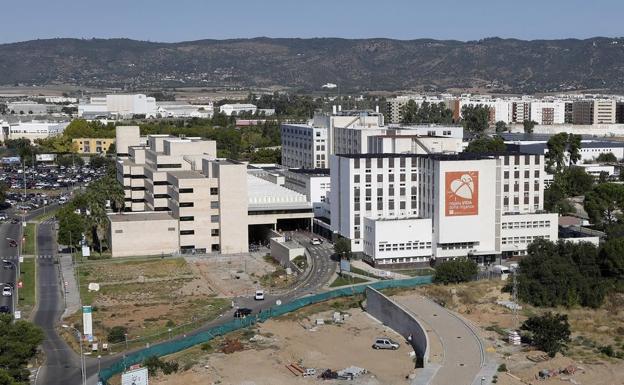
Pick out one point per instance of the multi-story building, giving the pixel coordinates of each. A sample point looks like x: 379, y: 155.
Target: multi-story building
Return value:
x: 237, y: 109
x: 465, y: 201
x: 394, y: 105
x: 604, y: 111
x: 213, y: 202
x: 92, y: 145
x: 583, y: 112
x: 304, y: 146
x: 31, y: 130
x: 520, y: 111
x: 548, y: 112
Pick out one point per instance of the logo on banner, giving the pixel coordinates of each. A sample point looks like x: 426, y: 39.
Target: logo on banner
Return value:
x: 462, y: 193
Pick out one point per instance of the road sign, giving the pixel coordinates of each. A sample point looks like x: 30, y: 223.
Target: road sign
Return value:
x: 21, y: 259
x: 17, y: 314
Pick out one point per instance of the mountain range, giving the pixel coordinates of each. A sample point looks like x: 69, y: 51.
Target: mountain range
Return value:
x: 500, y: 65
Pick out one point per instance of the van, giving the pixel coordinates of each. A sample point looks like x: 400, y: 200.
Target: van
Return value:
x: 385, y: 343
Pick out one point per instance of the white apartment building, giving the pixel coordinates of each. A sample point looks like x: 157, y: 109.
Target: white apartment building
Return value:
x: 499, y: 108
x: 466, y: 202
x: 118, y: 106
x: 548, y: 112
x: 237, y: 109
x: 304, y: 146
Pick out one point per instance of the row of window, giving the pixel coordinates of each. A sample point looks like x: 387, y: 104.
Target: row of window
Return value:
x: 525, y: 239
x: 458, y: 245
x: 403, y: 246
x: 525, y: 225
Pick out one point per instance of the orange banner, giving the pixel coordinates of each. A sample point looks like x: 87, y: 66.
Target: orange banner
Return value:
x: 462, y: 193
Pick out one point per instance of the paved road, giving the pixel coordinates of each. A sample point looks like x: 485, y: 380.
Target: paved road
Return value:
x: 463, y: 356
x: 62, y: 365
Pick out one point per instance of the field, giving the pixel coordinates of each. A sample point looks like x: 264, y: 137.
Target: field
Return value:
x: 27, y: 292
x: 146, y: 296
x: 345, y: 280
x: 260, y: 355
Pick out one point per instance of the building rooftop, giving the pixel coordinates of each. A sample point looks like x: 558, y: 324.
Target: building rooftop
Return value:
x: 263, y: 193
x: 310, y: 171
x: 140, y: 216
x: 186, y: 174
x: 449, y: 157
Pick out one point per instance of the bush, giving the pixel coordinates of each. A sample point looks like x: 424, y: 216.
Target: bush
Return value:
x: 549, y: 332
x: 455, y: 271
x: 117, y: 334
x: 502, y: 368
x: 607, y: 350
x: 154, y: 363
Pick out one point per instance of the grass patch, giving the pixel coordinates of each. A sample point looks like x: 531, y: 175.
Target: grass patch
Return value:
x: 346, y: 280
x: 363, y: 272
x: 336, y: 304
x: 30, y: 235
x: 27, y: 297
x: 301, y: 262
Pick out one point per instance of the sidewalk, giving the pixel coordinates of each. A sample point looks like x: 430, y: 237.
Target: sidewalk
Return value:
x: 71, y: 293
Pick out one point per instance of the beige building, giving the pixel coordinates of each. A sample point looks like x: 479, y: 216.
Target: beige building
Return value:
x: 209, y: 199
x: 604, y: 111
x: 92, y: 145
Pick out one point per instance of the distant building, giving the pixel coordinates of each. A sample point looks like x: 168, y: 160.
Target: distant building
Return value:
x: 183, y: 110
x: 93, y: 145
x: 32, y: 108
x: 32, y: 130
x: 237, y: 109
x: 118, y: 106
x: 548, y: 112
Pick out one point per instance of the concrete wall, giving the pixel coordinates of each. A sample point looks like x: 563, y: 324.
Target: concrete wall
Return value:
x: 401, y: 321
x: 132, y: 235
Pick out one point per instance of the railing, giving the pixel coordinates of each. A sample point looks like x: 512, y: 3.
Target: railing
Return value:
x: 170, y: 347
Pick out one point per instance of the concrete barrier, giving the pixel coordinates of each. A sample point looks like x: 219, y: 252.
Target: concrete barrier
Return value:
x: 401, y: 321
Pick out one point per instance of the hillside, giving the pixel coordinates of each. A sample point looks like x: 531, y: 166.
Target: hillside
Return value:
x: 505, y: 65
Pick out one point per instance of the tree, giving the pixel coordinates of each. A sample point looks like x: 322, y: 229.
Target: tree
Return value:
x: 475, y: 119
x: 117, y: 334
x: 612, y: 258
x: 486, y: 145
x: 549, y: 332
x: 71, y: 227
x: 603, y: 201
x: 342, y: 247
x: 577, y: 181
x: 455, y: 271
x: 528, y: 126
x: 412, y: 113
x: 562, y: 147
x: 18, y: 344
x: 501, y: 126
x: 606, y: 157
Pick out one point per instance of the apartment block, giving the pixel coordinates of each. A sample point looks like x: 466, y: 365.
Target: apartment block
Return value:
x: 304, y: 146
x: 604, y: 111
x: 438, y: 206
x: 548, y: 112
x: 583, y: 112
x: 92, y: 145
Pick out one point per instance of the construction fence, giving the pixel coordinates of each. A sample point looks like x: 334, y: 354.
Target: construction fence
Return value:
x: 170, y: 347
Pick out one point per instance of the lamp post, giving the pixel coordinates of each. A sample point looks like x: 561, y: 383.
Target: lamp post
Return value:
x: 82, y: 360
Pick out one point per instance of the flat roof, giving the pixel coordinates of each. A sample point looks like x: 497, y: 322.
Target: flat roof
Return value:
x: 458, y: 156
x: 186, y: 174
x: 310, y: 171
x: 143, y: 216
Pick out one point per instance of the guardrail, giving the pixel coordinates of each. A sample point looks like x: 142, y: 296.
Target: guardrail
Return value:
x: 170, y: 347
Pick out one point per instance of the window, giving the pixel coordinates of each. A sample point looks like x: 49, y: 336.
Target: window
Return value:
x: 214, y: 191
x: 214, y: 232
x: 214, y: 218
x: 506, y: 174
x: 187, y: 219
x: 356, y: 178
x: 185, y: 190
x: 214, y: 204
x: 379, y: 177
x: 173, y: 165
x: 118, y: 231
x: 187, y: 204
x: 187, y: 232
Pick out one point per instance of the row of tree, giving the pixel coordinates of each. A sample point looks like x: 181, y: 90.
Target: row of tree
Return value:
x: 569, y: 274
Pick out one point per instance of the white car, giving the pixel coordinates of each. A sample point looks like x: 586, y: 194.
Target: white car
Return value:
x: 7, y: 292
x: 259, y: 296
x: 316, y: 241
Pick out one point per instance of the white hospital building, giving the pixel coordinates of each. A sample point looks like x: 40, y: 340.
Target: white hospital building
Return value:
x: 410, y: 209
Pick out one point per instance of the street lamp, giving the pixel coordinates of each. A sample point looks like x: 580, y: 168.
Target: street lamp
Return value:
x: 82, y: 359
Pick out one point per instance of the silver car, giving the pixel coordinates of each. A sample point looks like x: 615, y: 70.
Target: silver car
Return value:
x: 385, y: 343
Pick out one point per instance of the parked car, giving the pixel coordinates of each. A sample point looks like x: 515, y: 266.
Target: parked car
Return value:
x: 7, y: 291
x: 259, y: 296
x: 7, y: 264
x: 12, y: 243
x: 316, y: 241
x: 242, y: 312
x: 385, y: 343
x: 4, y: 309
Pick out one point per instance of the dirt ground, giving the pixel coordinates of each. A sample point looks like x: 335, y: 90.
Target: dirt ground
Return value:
x: 591, y: 328
x: 278, y: 343
x: 229, y: 276
x: 147, y: 296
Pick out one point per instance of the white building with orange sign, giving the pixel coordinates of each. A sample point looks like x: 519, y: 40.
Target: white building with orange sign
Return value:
x: 407, y: 209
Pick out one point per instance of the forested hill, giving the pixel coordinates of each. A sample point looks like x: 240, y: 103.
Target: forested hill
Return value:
x: 505, y: 65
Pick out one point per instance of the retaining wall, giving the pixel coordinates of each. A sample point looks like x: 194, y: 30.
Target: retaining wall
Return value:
x: 401, y: 321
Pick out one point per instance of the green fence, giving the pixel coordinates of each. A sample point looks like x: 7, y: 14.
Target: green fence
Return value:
x: 170, y: 347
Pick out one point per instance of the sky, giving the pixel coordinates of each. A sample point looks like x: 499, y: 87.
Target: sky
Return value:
x: 184, y: 20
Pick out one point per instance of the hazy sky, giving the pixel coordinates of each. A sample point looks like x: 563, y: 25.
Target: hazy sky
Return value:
x: 180, y: 20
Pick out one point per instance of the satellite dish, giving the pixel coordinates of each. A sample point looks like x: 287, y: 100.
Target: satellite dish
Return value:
x: 278, y: 302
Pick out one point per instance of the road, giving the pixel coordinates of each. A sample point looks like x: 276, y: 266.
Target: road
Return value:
x: 62, y: 364
x: 463, y: 353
